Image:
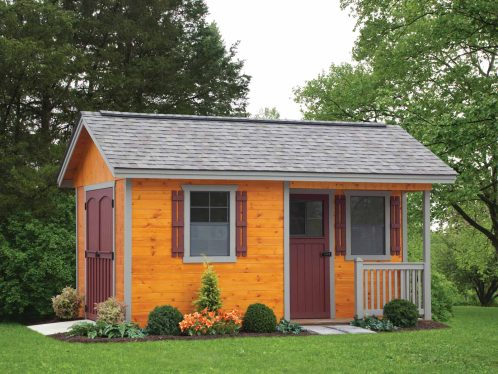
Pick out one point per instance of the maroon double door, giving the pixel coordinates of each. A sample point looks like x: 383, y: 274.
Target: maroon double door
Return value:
x: 99, y: 253
x: 309, y: 256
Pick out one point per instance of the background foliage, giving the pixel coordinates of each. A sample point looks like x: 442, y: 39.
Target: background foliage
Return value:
x: 60, y: 57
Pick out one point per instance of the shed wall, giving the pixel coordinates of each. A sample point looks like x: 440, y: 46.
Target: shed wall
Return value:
x: 158, y: 278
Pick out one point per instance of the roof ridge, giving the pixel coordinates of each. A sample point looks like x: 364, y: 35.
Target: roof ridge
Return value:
x: 192, y: 117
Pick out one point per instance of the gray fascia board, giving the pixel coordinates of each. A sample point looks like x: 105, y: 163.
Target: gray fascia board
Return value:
x: 281, y: 176
x: 69, y: 154
x: 94, y: 139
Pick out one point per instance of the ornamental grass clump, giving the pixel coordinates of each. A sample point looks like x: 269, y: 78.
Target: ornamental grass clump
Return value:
x: 111, y: 311
x: 208, y: 322
x: 67, y: 304
x: 210, y: 293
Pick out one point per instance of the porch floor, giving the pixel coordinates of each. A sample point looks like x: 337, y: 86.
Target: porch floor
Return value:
x: 323, y: 321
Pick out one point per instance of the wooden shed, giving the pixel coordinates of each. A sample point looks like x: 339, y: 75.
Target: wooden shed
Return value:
x: 307, y: 217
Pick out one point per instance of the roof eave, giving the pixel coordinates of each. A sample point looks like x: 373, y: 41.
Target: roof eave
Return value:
x: 284, y: 176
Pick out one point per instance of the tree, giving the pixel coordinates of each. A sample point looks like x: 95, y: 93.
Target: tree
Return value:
x: 267, y: 113
x: 209, y: 294
x: 431, y: 67
x: 58, y: 57
x: 475, y: 269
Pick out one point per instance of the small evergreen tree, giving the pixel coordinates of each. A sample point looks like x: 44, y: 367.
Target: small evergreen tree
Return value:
x: 209, y: 294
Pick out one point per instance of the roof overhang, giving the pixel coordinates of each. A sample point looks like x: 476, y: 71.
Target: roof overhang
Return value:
x: 66, y: 183
x: 282, y: 176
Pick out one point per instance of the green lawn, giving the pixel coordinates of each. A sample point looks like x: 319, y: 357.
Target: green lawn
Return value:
x: 470, y: 345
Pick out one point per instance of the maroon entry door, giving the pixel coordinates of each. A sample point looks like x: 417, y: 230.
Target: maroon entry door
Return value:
x: 309, y: 256
x: 99, y: 253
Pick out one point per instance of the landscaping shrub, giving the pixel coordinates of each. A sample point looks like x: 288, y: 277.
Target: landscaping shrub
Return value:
x: 259, y: 318
x: 67, y: 304
x: 209, y: 294
x: 111, y: 311
x: 288, y: 327
x: 373, y: 323
x: 402, y: 313
x: 444, y: 296
x: 102, y: 329
x: 211, y: 323
x: 164, y: 320
x: 36, y: 262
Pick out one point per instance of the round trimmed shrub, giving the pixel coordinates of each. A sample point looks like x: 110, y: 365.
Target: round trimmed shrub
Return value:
x: 164, y: 320
x: 259, y: 318
x: 111, y: 311
x: 402, y: 313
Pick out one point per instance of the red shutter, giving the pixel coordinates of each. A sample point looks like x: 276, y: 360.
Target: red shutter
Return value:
x: 395, y: 225
x: 241, y: 223
x: 340, y: 225
x: 177, y: 224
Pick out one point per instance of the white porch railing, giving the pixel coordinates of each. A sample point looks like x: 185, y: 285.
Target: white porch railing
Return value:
x: 377, y: 283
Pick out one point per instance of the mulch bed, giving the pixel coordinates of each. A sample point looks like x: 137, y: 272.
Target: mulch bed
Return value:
x: 148, y: 338
x: 425, y: 325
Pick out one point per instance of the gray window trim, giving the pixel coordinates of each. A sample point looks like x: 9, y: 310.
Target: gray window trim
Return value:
x: 387, y: 195
x: 187, y: 188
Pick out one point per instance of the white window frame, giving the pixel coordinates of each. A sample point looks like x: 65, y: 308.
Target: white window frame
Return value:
x: 231, y: 189
x: 387, y: 216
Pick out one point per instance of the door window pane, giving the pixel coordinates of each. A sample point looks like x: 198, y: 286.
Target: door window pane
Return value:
x: 306, y: 218
x: 368, y: 225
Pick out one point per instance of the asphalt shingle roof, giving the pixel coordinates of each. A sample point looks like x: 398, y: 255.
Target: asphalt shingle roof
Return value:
x: 169, y: 142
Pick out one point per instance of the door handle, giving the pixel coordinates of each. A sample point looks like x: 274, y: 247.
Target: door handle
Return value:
x: 326, y: 254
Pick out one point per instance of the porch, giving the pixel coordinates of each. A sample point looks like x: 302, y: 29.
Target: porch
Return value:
x: 372, y: 280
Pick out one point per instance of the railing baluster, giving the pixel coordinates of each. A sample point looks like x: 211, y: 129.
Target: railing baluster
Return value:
x: 372, y: 299
x: 396, y: 284
x: 365, y: 278
x: 384, y: 296
x: 419, y: 288
x: 414, y: 300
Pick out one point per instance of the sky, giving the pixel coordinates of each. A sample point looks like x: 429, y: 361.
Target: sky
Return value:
x: 284, y: 43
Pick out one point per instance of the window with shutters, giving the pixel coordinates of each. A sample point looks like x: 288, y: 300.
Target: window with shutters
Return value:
x: 210, y: 223
x: 368, y: 225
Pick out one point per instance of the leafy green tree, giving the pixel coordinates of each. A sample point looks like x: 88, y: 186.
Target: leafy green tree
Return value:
x: 58, y: 57
x: 429, y: 66
x: 468, y: 259
x: 267, y: 113
x: 209, y: 294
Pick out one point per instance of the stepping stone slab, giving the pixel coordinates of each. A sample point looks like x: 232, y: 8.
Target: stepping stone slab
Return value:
x: 351, y: 329
x: 56, y: 327
x: 323, y: 330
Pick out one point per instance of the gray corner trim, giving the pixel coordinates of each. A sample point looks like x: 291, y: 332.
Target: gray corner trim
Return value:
x: 127, y: 247
x: 332, y: 249
x: 187, y: 258
x: 280, y: 176
x: 286, y: 252
x: 99, y: 186
x: 404, y: 225
x: 114, y: 238
x: 387, y: 215
x: 427, y: 255
x: 77, y: 249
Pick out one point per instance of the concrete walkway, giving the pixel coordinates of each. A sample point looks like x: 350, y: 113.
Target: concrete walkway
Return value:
x: 55, y: 327
x: 337, y: 330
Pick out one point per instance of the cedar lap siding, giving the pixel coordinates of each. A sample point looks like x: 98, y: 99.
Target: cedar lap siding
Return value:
x: 159, y: 275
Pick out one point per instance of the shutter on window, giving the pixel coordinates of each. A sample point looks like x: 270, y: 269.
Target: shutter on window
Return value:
x: 395, y: 225
x: 340, y: 225
x: 241, y: 223
x: 178, y: 224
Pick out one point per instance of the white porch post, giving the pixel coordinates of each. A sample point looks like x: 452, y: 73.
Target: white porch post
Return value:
x: 358, y: 287
x: 427, y: 255
x: 404, y: 225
